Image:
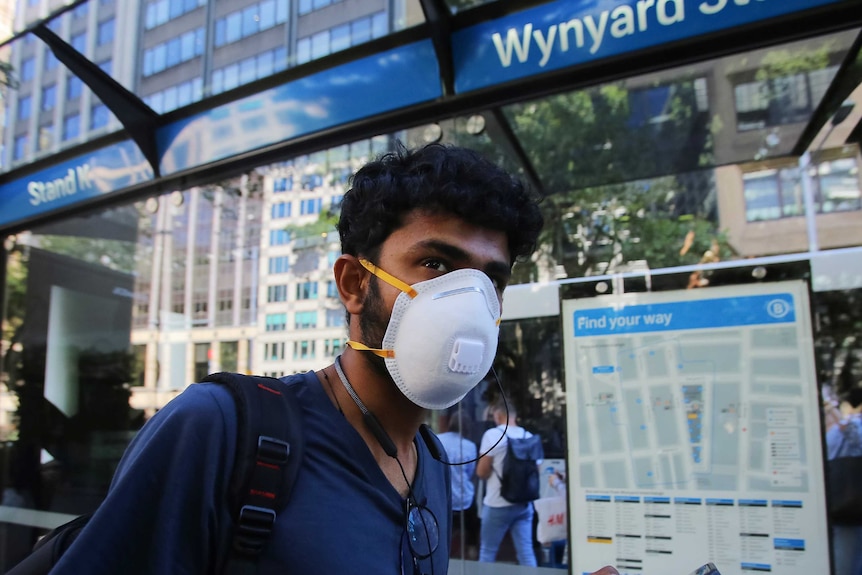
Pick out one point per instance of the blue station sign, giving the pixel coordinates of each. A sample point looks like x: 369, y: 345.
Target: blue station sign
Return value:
x: 110, y: 169
x: 394, y: 79
x: 567, y: 33
x: 556, y: 35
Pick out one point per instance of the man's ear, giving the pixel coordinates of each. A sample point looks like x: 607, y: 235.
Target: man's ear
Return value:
x: 351, y: 279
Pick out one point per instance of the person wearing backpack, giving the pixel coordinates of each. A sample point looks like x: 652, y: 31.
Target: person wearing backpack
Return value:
x: 372, y: 493
x: 844, y: 461
x: 500, y: 515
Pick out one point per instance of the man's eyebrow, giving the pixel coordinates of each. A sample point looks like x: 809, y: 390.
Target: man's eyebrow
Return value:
x: 493, y: 268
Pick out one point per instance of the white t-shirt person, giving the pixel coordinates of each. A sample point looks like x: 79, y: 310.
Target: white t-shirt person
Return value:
x: 490, y: 437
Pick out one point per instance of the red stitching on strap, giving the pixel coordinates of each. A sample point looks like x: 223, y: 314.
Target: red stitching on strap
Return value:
x: 267, y: 494
x: 268, y: 465
x: 269, y: 389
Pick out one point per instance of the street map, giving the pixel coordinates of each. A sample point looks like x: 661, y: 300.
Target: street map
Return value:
x: 694, y: 431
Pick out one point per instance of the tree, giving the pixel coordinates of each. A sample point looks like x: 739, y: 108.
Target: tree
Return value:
x: 621, y: 170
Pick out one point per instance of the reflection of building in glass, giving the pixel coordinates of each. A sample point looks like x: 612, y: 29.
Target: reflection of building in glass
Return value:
x: 705, y: 154
x: 761, y: 199
x: 171, y: 54
x: 237, y: 276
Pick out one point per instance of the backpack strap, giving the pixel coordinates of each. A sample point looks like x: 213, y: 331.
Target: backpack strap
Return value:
x: 268, y: 455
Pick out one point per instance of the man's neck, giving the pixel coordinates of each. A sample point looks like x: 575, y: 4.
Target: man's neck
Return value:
x: 398, y: 416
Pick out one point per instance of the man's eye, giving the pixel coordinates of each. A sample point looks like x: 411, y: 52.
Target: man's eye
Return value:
x: 437, y: 265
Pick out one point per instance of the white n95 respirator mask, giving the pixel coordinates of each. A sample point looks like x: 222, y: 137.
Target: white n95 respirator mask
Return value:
x: 442, y: 335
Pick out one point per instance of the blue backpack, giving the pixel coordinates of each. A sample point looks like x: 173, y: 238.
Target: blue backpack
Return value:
x: 269, y: 427
x: 520, y: 480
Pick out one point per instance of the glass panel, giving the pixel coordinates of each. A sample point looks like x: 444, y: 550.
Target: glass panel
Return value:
x: 109, y: 315
x: 46, y: 108
x: 174, y: 37
x: 676, y: 154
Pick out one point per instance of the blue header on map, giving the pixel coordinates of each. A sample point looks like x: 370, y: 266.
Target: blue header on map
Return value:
x: 103, y: 171
x: 567, y: 33
x: 700, y: 314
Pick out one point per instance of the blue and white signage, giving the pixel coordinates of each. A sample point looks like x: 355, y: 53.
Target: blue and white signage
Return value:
x: 703, y: 403
x: 685, y: 315
x: 103, y: 171
x: 384, y: 82
x: 567, y: 33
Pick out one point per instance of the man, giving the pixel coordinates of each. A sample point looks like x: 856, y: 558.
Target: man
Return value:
x: 499, y: 515
x: 411, y: 217
x: 461, y: 450
x: 412, y: 222
x: 844, y: 439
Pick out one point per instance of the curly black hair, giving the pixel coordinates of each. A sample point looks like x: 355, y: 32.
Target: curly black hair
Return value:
x: 437, y: 178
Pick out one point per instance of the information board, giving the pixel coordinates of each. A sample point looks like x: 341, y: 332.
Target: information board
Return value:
x: 694, y: 432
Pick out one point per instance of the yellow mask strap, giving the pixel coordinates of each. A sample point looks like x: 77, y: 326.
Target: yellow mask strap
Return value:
x: 389, y: 278
x: 384, y: 353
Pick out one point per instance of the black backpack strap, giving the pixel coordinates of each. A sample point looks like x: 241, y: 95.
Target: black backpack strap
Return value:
x: 48, y: 550
x: 269, y: 453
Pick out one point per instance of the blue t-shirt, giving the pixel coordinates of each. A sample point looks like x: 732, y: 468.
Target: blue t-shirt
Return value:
x: 166, y: 510
x: 845, y: 439
x: 459, y: 450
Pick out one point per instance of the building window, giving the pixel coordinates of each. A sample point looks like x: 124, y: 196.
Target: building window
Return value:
x: 837, y: 186
x: 333, y: 347
x: 156, y: 14
x: 25, y: 107
x: 105, y: 32
x: 776, y: 193
x: 303, y: 349
x: 279, y: 237
x: 20, y: 147
x: 276, y: 321
x: 80, y: 11
x: 306, y: 290
x: 335, y: 318
x: 279, y: 265
x: 305, y: 320
x: 331, y: 289
x: 779, y: 101
x: 249, y: 21
x: 229, y: 355
x: 273, y: 351
x: 772, y: 194
x: 341, y: 37
x: 176, y: 96
x: 311, y: 206
x: 28, y: 69
x: 202, y: 360
x: 280, y: 210
x: 282, y: 184
x: 250, y: 69
x: 71, y: 126
x: 49, y: 97
x: 50, y: 61
x: 74, y: 86
x: 306, y: 6
x: 99, y: 116
x: 46, y: 138
x: 276, y: 293
x: 79, y: 41
x: 173, y: 52
x: 161, y: 11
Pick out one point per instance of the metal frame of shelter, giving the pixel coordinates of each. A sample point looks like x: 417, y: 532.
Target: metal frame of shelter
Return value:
x: 141, y: 123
